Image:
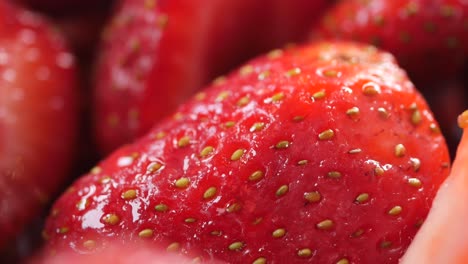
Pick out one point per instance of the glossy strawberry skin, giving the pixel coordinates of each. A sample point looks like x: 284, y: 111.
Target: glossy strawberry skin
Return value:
x: 37, y: 116
x: 428, y: 37
x: 320, y: 153
x: 154, y: 55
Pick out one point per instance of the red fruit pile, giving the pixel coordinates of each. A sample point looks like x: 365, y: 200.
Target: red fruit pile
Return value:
x: 322, y: 152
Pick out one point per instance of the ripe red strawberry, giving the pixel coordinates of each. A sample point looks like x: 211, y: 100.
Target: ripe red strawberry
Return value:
x: 322, y: 153
x: 428, y: 37
x: 155, y: 54
x: 443, y: 237
x: 130, y: 254
x: 37, y: 116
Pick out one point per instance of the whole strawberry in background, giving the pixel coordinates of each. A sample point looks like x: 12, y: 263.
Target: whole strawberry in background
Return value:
x: 428, y: 37
x: 324, y: 153
x: 38, y: 116
x: 155, y: 54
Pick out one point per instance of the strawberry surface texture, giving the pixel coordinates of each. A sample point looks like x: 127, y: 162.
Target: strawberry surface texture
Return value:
x: 323, y: 153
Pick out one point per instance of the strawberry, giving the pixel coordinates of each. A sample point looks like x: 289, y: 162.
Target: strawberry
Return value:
x: 155, y: 54
x: 428, y: 37
x: 443, y: 237
x: 117, y: 255
x: 37, y: 116
x: 322, y: 153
